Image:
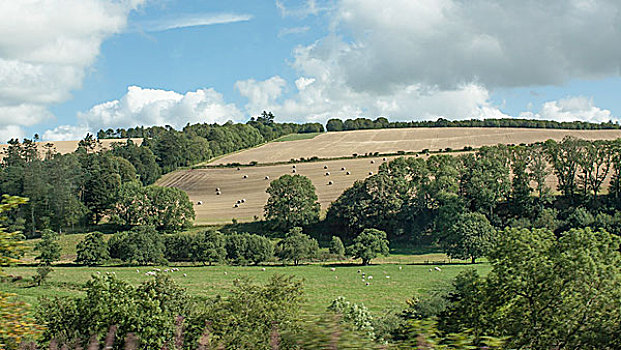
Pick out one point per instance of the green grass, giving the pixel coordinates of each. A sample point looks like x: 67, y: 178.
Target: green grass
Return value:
x: 296, y: 137
x: 321, y: 285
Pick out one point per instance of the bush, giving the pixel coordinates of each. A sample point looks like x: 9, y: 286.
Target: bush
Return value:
x: 142, y: 245
x: 337, y: 248
x: 92, y: 250
x: 41, y: 275
x: 48, y: 247
x: 148, y: 310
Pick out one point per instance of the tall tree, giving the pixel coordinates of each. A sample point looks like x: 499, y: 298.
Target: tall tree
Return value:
x: 292, y: 202
x: 564, y: 158
x: 468, y: 237
x: 297, y: 246
x: 368, y: 245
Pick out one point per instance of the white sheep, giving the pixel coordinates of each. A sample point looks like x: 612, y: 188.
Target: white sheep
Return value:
x: 370, y: 277
x: 238, y: 201
x: 293, y: 167
x: 400, y: 267
x: 438, y: 269
x: 384, y: 159
x: 333, y: 269
x: 263, y: 269
x: 137, y: 271
x: 185, y: 275
x: 225, y: 273
x: 387, y: 276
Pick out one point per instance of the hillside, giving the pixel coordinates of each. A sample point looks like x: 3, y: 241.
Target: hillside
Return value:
x: 201, y: 184
x: 345, y: 143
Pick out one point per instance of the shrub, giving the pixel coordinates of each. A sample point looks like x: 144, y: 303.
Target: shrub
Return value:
x: 92, y: 250
x: 337, y: 248
x: 48, y: 247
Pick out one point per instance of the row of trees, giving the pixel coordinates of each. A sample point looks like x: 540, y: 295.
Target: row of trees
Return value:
x: 383, y: 123
x: 415, y: 198
x: 144, y: 245
x: 70, y: 191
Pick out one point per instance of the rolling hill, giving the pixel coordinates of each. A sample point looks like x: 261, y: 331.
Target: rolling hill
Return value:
x: 201, y: 184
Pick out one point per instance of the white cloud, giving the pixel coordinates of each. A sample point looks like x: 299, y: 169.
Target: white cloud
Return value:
x: 300, y: 9
x: 577, y: 108
x: 448, y: 43
x: 8, y: 132
x: 147, y: 107
x: 45, y: 48
x: 261, y: 95
x: 194, y: 20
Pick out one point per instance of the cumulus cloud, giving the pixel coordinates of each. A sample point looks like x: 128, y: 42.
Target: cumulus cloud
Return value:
x: 577, y: 108
x: 141, y: 106
x: 261, y: 95
x: 448, y: 43
x: 45, y: 48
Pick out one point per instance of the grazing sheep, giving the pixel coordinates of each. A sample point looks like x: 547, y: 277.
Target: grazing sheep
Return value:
x: 370, y: 277
x: 158, y: 270
x: 400, y: 267
x: 387, y: 276
x: 333, y: 269
x: 438, y: 269
x: 267, y: 178
x: 225, y: 273
x: 137, y: 271
x: 370, y: 173
x: 185, y: 275
x: 263, y: 269
x: 330, y: 183
x: 238, y: 201
x: 166, y: 270
x: 199, y: 203
x: 430, y: 270
x: 348, y: 173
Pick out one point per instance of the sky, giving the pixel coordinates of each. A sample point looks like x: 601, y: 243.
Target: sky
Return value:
x: 69, y: 67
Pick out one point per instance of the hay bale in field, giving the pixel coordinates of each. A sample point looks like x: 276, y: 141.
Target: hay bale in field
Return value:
x: 243, y: 200
x: 267, y: 178
x: 348, y: 173
x: 199, y: 203
x: 384, y: 159
x: 343, y: 168
x: 327, y: 173
x: 330, y: 183
x: 325, y: 167
x: 370, y: 173
x: 238, y: 169
x: 293, y: 166
x: 245, y: 176
x: 218, y: 193
x: 217, y: 189
x: 293, y: 171
x: 236, y: 206
x: 238, y: 201
x: 372, y: 162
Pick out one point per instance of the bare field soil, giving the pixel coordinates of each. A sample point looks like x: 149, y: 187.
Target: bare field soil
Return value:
x: 70, y: 146
x: 345, y: 143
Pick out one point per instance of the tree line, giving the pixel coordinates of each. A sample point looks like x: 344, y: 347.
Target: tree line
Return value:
x: 383, y: 123
x: 69, y: 192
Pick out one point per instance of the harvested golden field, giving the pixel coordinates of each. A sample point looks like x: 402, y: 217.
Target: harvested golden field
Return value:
x: 70, y: 146
x: 201, y: 184
x: 345, y: 143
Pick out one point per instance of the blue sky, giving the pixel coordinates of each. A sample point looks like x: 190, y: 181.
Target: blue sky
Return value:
x: 68, y: 67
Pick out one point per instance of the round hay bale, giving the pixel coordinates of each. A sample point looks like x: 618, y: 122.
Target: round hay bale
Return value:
x: 372, y: 162
x: 238, y: 201
x: 327, y: 173
x: 236, y: 206
x: 238, y: 169
x: 330, y: 183
x: 325, y: 167
x: 243, y: 200
x: 343, y: 168
x: 245, y: 176
x: 217, y: 189
x: 293, y: 166
x: 370, y: 173
x: 218, y: 193
x: 199, y: 203
x: 348, y: 173
x: 267, y: 178
x: 293, y: 171
x: 384, y: 159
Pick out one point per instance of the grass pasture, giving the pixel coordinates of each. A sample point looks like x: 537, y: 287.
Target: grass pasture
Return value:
x: 321, y: 284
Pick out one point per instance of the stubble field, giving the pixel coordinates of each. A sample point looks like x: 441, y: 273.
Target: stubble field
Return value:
x: 201, y: 184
